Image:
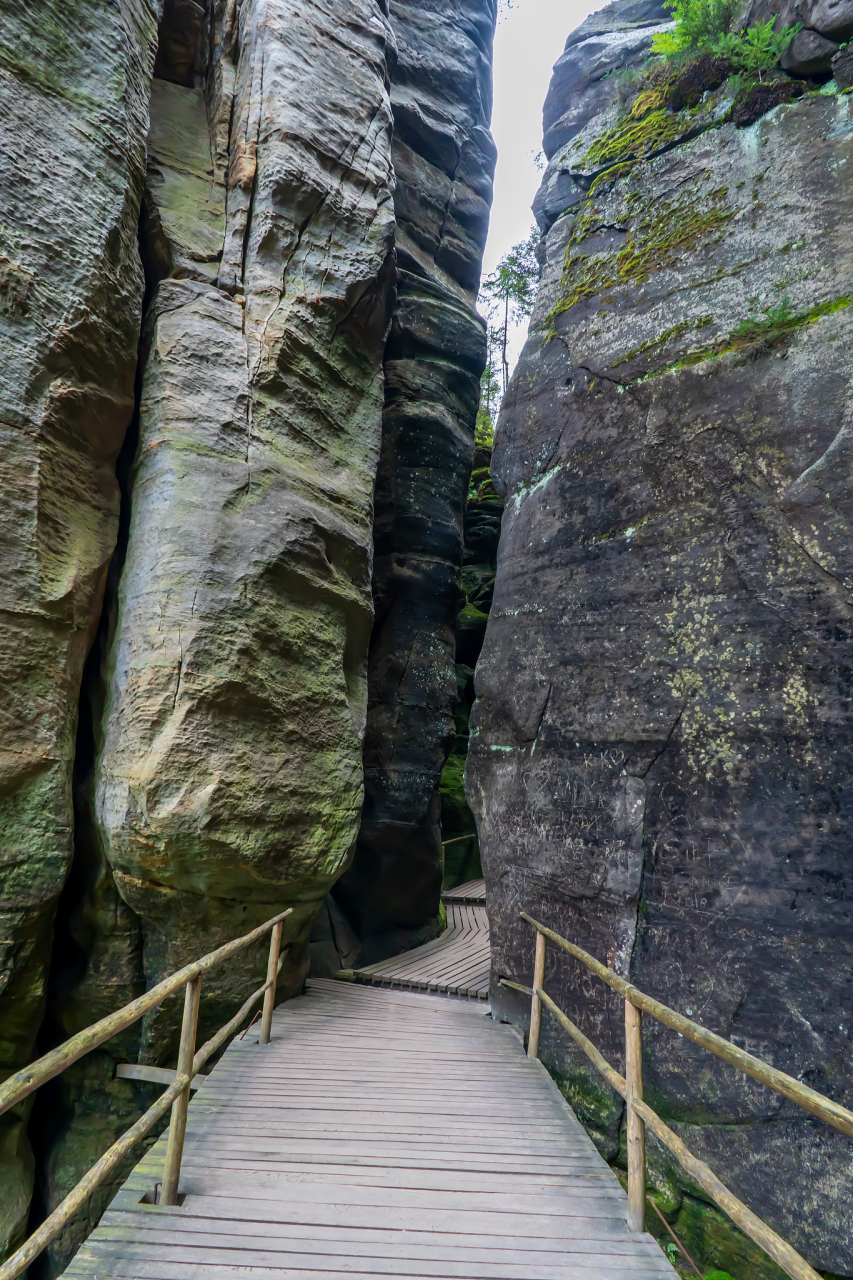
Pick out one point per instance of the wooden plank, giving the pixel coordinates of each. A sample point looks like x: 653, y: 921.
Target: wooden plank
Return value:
x: 324, y: 1212
x: 166, y: 1270
x: 339, y: 1151
x: 153, y: 1075
x: 396, y: 1242
x: 378, y: 1173
x: 199, y: 1254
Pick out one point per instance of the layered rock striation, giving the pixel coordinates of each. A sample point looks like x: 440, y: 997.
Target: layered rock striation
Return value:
x: 443, y: 159
x: 198, y: 279
x: 74, y: 110
x: 660, y: 752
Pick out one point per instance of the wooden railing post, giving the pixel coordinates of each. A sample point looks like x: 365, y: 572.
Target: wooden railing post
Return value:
x: 272, y: 974
x: 536, y: 1004
x: 636, y: 1130
x: 178, y: 1124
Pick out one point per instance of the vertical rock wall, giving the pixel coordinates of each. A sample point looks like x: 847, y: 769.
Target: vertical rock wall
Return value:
x: 443, y: 160
x: 482, y: 527
x: 74, y: 88
x: 227, y: 735
x: 228, y: 780
x: 661, y: 753
x: 199, y: 364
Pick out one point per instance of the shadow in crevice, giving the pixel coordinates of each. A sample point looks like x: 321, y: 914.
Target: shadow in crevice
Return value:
x: 85, y: 981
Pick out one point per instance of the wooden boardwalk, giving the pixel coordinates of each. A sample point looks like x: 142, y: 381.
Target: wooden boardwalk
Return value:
x: 457, y: 963
x: 381, y: 1133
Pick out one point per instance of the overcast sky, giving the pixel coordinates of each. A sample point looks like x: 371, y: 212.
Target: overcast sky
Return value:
x: 529, y: 40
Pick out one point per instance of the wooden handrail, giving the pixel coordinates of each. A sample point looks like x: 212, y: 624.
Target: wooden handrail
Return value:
x: 38, y: 1073
x: 778, y: 1249
x: 176, y: 1096
x: 640, y: 1114
x: 809, y: 1099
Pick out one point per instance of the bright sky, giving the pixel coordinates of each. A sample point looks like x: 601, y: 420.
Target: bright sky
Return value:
x: 529, y: 40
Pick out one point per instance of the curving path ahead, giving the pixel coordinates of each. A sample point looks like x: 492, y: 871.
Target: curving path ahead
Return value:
x: 456, y: 963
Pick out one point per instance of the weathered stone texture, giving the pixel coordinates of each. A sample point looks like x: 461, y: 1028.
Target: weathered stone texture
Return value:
x: 226, y: 702
x: 218, y: 768
x: 660, y: 757
x: 73, y: 87
x: 482, y: 527
x: 229, y: 780
x: 443, y: 160
x: 583, y: 84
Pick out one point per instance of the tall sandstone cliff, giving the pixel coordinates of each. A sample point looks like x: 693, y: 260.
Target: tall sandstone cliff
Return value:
x: 237, y: 268
x: 443, y: 157
x: 660, y: 756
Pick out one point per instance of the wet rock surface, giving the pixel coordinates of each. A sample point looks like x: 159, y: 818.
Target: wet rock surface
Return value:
x: 660, y: 756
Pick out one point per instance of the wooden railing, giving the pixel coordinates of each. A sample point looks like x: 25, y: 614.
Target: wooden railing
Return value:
x: 190, y: 1062
x: 639, y: 1114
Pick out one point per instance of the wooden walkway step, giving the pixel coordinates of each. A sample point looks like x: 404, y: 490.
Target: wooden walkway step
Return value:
x: 381, y: 1133
x: 456, y: 963
x: 471, y: 891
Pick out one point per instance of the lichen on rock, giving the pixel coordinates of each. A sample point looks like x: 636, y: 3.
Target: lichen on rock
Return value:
x: 659, y: 756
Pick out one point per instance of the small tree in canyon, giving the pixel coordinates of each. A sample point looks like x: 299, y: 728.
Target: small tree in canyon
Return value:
x: 490, y: 392
x: 508, y: 293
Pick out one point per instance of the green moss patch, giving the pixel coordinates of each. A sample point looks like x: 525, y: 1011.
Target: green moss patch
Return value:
x: 632, y: 139
x: 661, y: 232
x: 757, y: 332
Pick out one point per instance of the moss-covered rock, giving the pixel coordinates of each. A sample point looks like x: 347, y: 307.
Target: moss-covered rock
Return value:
x: 660, y: 751
x: 74, y: 82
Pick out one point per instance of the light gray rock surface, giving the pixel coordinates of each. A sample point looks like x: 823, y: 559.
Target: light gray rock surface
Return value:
x: 230, y: 766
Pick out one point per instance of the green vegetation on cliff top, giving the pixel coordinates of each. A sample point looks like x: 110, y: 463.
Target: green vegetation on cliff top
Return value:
x: 704, y: 26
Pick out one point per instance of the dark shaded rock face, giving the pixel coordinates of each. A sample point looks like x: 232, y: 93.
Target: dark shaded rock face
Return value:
x: 443, y: 158
x: 203, y: 383
x: 482, y: 529
x: 660, y: 757
x: 825, y: 25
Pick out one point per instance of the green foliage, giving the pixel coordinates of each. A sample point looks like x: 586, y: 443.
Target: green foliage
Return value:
x: 509, y: 293
x: 514, y: 278
x: 758, y: 334
x: 718, y: 1275
x: 758, y: 49
x: 490, y: 393
x: 484, y: 430
x: 698, y: 25
x: 703, y: 26
x: 775, y: 319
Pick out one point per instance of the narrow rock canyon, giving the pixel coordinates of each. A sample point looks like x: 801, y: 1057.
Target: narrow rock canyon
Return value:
x: 265, y: 605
